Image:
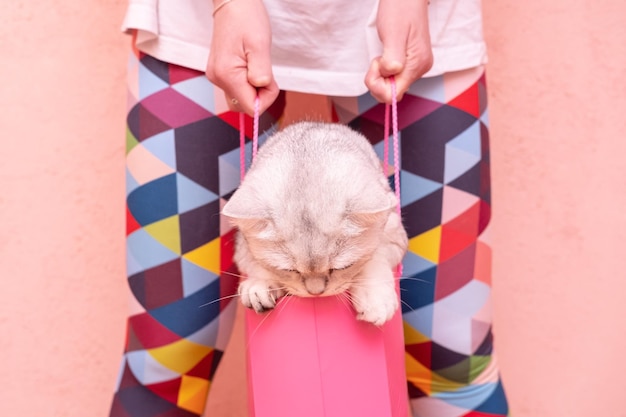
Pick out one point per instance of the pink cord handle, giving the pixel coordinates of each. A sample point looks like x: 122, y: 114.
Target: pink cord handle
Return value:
x: 255, y: 128
x: 396, y: 144
x: 391, y: 112
x: 393, y: 109
x: 242, y: 137
x: 242, y: 146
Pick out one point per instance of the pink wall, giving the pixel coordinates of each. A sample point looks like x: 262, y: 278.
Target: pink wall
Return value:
x: 558, y: 90
x: 558, y: 97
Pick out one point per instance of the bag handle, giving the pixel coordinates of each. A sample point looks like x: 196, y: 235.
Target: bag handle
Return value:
x: 242, y: 138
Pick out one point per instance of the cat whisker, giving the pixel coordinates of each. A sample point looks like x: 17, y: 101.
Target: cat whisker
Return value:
x: 232, y: 274
x: 227, y: 297
x: 281, y: 307
x: 341, y: 297
x: 353, y: 298
x: 285, y: 300
x: 344, y: 297
x: 396, y: 278
x: 257, y: 329
x: 406, y: 304
x: 366, y: 284
x: 412, y: 279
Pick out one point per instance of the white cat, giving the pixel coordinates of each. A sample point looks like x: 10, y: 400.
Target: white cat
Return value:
x: 316, y: 217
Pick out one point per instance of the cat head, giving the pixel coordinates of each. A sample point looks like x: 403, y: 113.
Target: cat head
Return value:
x: 310, y: 246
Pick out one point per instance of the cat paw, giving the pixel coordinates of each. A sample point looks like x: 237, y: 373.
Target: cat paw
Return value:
x: 376, y: 304
x: 258, y: 295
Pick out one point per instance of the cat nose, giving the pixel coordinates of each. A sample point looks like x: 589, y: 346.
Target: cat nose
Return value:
x: 315, y: 284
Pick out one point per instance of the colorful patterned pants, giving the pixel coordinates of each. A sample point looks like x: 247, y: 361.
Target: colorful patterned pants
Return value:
x: 183, y: 163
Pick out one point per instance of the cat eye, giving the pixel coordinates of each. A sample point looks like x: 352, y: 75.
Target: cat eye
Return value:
x: 340, y: 269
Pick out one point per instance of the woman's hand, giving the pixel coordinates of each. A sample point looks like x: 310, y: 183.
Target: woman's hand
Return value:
x: 239, y: 62
x: 403, y: 29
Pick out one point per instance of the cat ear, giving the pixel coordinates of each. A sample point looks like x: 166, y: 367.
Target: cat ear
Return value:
x: 375, y: 203
x: 374, y: 213
x: 357, y: 223
x: 248, y: 214
x: 244, y: 205
x: 262, y: 229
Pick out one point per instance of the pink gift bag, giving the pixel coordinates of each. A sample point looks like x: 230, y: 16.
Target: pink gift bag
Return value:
x: 310, y: 357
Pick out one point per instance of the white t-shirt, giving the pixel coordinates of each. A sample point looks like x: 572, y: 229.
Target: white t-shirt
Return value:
x: 318, y: 46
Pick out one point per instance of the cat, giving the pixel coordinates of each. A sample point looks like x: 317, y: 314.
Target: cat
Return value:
x: 316, y: 217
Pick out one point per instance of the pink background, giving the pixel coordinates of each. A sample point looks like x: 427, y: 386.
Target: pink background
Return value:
x: 557, y: 76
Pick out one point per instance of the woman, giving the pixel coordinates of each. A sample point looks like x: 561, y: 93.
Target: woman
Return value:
x: 182, y: 163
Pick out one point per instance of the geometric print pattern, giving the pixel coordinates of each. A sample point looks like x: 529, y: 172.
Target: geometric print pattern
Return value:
x: 182, y: 158
x: 446, y: 207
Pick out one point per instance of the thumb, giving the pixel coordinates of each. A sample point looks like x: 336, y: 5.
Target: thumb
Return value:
x: 393, y: 59
x: 259, y: 70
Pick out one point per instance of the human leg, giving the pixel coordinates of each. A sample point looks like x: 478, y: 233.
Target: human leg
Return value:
x: 182, y: 162
x: 445, y: 289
